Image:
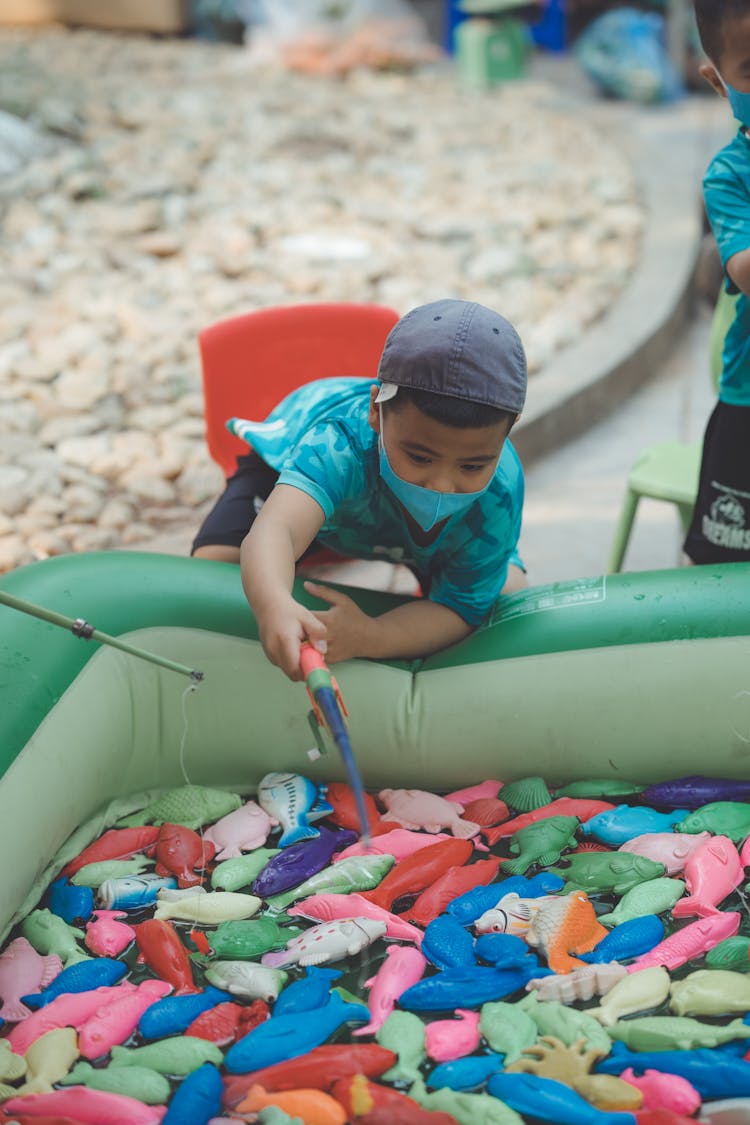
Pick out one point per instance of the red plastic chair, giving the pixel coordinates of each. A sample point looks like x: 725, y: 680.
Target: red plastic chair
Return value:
x: 251, y: 362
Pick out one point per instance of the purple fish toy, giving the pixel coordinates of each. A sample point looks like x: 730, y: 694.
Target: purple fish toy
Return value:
x: 299, y: 861
x: 696, y: 790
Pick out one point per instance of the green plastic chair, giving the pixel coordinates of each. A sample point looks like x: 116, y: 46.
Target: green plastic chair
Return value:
x: 669, y: 470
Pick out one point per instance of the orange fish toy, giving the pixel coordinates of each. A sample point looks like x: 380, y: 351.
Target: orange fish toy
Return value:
x: 563, y: 925
x: 314, y: 1107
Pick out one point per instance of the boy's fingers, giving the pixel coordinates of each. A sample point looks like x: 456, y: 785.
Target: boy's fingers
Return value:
x: 333, y: 597
x: 316, y: 632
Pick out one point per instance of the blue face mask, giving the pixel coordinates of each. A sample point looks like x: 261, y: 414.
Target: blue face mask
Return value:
x: 426, y: 506
x: 739, y: 102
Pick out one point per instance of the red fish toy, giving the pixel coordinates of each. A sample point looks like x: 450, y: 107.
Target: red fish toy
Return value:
x: 581, y: 807
x: 454, y: 882
x: 179, y: 851
x: 319, y: 1068
x: 160, y: 948
x: 117, y: 843
x: 419, y: 871
x: 227, y: 1022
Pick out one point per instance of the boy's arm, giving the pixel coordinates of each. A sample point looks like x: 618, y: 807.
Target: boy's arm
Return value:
x: 282, y: 531
x: 738, y: 268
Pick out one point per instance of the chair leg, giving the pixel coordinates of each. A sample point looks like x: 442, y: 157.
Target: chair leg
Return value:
x: 686, y: 516
x: 622, y: 532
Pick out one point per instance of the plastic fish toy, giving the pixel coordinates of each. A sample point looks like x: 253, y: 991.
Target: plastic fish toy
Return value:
x: 116, y: 1020
x: 116, y: 843
x: 636, y: 992
x: 319, y: 1068
x: 132, y: 893
x: 670, y: 848
x: 197, y: 1098
x: 328, y: 941
x: 542, y: 843
x: 72, y: 1009
x: 285, y: 1037
x: 600, y: 872
x: 695, y: 791
x: 106, y: 936
x: 160, y: 947
x: 532, y: 1095
x: 503, y: 950
x: 403, y: 966
x: 79, y: 977
x: 447, y: 944
x: 565, y: 1023
x: 84, y: 1106
x: 602, y: 787
x: 451, y: 884
x: 629, y: 939
x: 512, y: 915
x: 240, y: 871
x: 46, y: 1062
x: 561, y: 806
x: 23, y: 971
x: 710, y: 992
x: 470, y: 906
x: 191, y: 805
x: 73, y: 904
x: 307, y: 1105
x: 663, y: 1033
x: 403, y: 1032
x: 243, y: 978
x: 714, y: 1074
x: 298, y: 862
x: 691, y: 941
x: 242, y: 940
x: 94, y: 874
x: 133, y: 1081
x: 413, y: 874
x: 507, y: 1029
x: 464, y: 988
x: 652, y: 897
x: 446, y: 1040
x: 208, y: 909
x: 489, y: 788
x: 580, y: 984
x: 180, y: 851
x: 399, y: 842
x: 292, y: 801
x: 346, y: 813
x: 329, y: 908
x: 733, y: 953
x: 416, y: 808
x: 467, y: 1073
x: 308, y: 992
x: 664, y: 1091
x: 726, y: 818
x: 563, y: 926
x: 486, y: 811
x: 174, y: 1014
x: 616, y: 826
x: 358, y: 873
x: 178, y: 1056
x: 229, y: 1021
x: 49, y: 935
x: 466, y: 1108
x: 712, y: 872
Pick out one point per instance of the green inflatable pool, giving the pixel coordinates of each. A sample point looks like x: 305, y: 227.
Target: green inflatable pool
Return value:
x: 641, y: 676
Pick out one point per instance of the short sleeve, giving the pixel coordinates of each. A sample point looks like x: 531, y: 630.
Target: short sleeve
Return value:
x: 728, y: 208
x: 324, y: 464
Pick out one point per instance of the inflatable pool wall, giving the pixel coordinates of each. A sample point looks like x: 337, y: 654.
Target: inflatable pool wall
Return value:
x: 642, y: 676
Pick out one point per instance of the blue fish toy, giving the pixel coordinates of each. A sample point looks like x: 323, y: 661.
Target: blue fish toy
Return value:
x: 469, y: 906
x: 695, y: 791
x: 81, y: 977
x: 307, y: 994
x: 293, y: 800
x: 469, y: 1073
x: 713, y: 1072
x: 617, y: 826
x: 298, y: 862
x: 505, y: 951
x: 132, y: 892
x: 197, y: 1098
x: 174, y: 1014
x: 549, y: 1100
x: 448, y: 944
x: 287, y: 1037
x: 74, y: 905
x: 630, y: 939
x: 464, y: 988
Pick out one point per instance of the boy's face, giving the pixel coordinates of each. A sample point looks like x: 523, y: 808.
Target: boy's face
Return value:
x: 443, y: 458
x: 734, y: 64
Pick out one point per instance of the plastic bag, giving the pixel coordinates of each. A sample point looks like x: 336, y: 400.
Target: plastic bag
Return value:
x: 624, y: 52
x: 332, y: 37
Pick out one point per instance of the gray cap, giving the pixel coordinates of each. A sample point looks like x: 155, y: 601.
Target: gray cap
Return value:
x: 456, y: 348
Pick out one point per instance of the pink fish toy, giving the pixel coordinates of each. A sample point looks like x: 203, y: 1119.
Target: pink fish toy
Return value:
x: 240, y: 831
x: 89, y: 1107
x: 23, y: 971
x: 711, y: 874
x: 416, y: 808
x: 399, y: 842
x: 106, y: 935
x: 330, y: 907
x: 691, y: 941
x: 446, y: 1040
x: 673, y: 849
x: 404, y: 966
x: 71, y: 1009
x: 475, y: 792
x: 664, y: 1091
x: 116, y: 1020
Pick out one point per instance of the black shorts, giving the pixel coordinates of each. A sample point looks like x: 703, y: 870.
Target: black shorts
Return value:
x: 720, y: 528
x: 234, y: 512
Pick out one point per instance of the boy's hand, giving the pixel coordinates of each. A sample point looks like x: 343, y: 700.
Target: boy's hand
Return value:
x: 283, y: 627
x: 346, y: 627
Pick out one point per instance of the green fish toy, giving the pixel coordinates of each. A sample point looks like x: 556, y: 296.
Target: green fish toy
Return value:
x: 49, y: 934
x: 131, y: 1081
x: 243, y: 940
x: 241, y: 871
x: 653, y: 897
x: 722, y: 818
x: 670, y: 1033
x: 178, y: 1056
x: 603, y: 872
x: 542, y: 842
x: 356, y: 873
x: 189, y: 805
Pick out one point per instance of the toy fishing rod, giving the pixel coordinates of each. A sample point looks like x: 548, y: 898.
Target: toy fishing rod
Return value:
x: 329, y: 711
x: 81, y: 629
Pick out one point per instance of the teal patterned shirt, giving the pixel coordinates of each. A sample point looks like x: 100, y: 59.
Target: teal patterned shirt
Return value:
x: 319, y: 439
x: 726, y: 189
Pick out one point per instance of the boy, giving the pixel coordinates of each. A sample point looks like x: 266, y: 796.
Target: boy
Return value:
x: 720, y: 528
x: 415, y: 469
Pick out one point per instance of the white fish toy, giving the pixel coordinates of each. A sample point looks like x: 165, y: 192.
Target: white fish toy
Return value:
x: 293, y: 801
x: 247, y: 979
x: 210, y: 908
x: 512, y: 915
x: 328, y: 941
